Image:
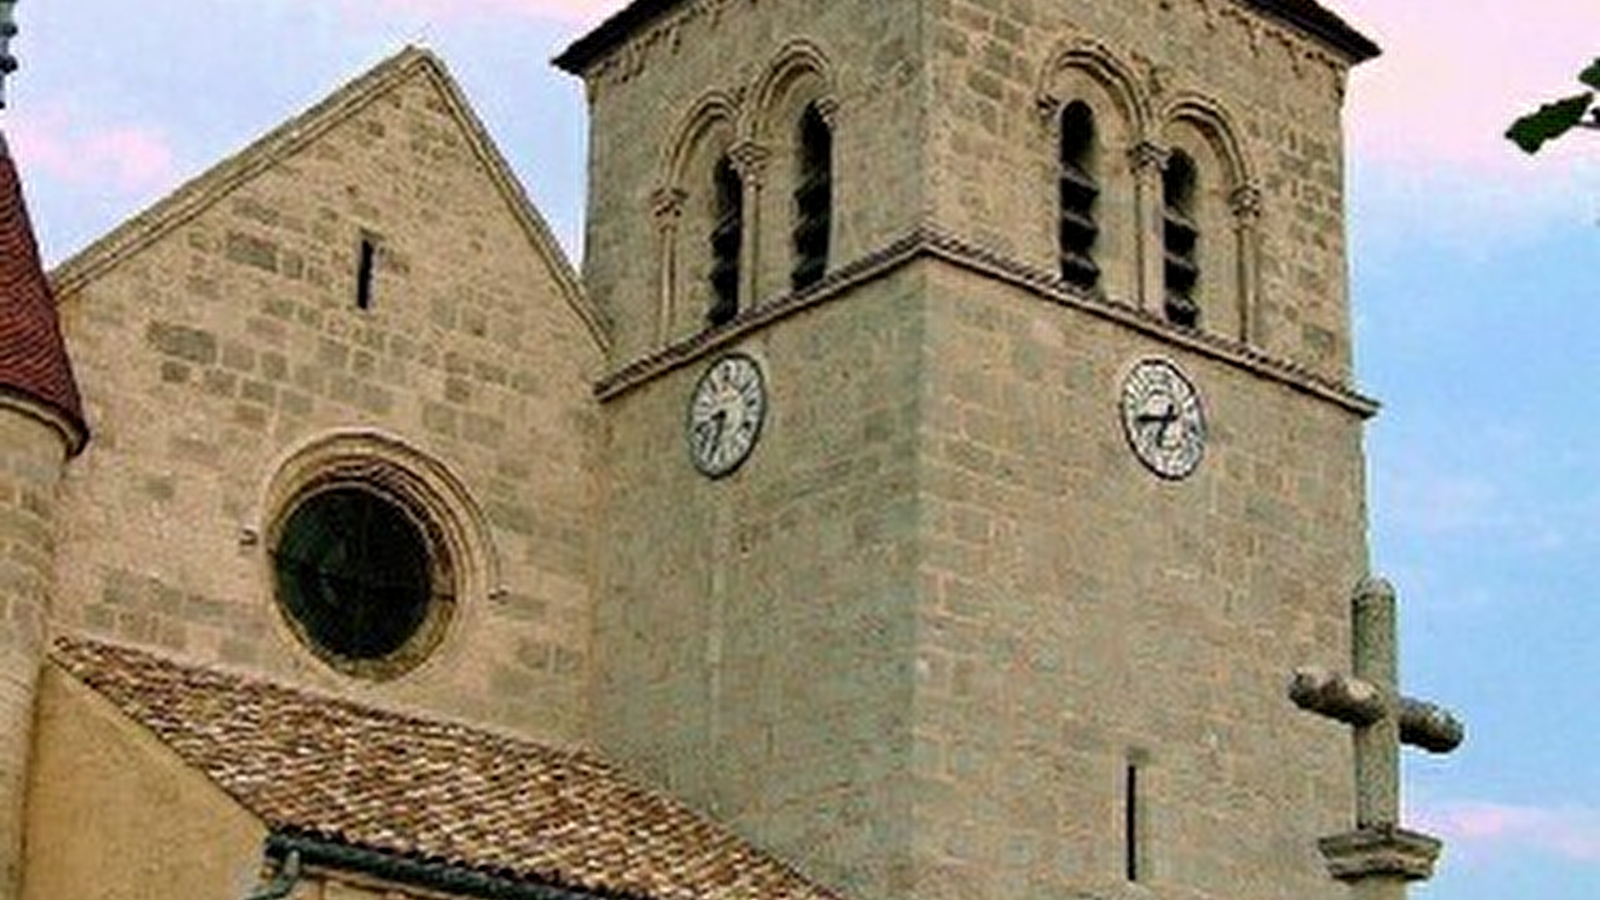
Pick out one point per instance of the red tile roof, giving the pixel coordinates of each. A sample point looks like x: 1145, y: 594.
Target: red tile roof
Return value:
x: 425, y: 789
x: 33, y: 356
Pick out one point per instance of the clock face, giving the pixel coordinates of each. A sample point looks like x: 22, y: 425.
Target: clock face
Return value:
x: 725, y: 415
x: 1163, y: 418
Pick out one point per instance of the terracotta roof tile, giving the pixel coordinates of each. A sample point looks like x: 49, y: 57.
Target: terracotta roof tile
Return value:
x: 431, y: 789
x: 33, y: 356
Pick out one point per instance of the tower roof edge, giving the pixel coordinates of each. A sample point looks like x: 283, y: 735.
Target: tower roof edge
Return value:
x: 1307, y: 15
x: 611, y: 32
x: 33, y: 353
x: 1322, y: 23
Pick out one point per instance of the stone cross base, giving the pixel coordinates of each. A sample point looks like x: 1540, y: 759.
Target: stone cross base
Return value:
x: 1380, y: 851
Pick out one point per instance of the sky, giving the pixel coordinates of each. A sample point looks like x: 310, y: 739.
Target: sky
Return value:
x: 1472, y: 267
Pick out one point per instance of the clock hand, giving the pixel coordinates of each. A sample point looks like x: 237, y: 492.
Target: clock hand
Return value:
x: 1163, y: 422
x: 719, y: 420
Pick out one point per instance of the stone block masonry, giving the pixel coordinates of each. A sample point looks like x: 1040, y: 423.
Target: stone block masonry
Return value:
x: 212, y: 348
x: 943, y: 635
x: 32, y: 454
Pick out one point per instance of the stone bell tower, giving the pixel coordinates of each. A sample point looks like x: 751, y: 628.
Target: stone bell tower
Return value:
x: 41, y: 426
x: 983, y: 448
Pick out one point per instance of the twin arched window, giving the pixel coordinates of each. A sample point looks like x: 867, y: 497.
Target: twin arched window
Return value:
x: 810, y: 217
x: 1082, y: 238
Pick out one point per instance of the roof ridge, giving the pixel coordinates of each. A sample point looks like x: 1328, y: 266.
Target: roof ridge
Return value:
x: 201, y: 191
x: 523, y: 208
x: 204, y: 190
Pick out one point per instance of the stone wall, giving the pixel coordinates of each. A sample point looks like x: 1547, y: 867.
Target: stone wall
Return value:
x: 31, y: 456
x: 943, y: 529
x: 220, y: 335
x: 1078, y: 614
x: 917, y: 643
x: 1275, y: 93
x: 722, y: 66
x: 113, y: 814
x: 944, y: 115
x: 754, y: 639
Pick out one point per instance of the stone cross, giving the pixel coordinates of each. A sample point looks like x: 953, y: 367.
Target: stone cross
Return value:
x: 8, y: 30
x: 1379, y: 857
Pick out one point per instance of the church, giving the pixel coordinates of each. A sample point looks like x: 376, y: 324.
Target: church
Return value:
x: 926, y: 488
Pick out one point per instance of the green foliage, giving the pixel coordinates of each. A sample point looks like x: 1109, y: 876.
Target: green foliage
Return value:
x: 1556, y: 118
x: 1549, y: 122
x: 1591, y: 75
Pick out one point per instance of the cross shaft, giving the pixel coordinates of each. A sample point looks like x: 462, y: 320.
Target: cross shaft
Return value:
x: 1379, y: 856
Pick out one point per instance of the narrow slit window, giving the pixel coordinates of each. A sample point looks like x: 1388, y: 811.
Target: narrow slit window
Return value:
x: 366, y: 266
x: 727, y: 236
x: 813, y: 200
x: 1130, y: 822
x: 1079, y: 190
x: 1180, y: 237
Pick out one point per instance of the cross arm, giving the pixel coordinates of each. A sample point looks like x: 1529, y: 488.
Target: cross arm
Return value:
x: 1348, y: 700
x: 1429, y: 726
x: 1357, y: 702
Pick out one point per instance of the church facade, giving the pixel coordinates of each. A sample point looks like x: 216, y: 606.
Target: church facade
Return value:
x: 945, y: 456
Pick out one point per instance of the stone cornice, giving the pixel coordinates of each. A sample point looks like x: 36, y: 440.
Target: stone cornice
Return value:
x: 928, y: 242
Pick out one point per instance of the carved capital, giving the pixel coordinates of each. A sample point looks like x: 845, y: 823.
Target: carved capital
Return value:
x: 749, y: 160
x: 1147, y: 158
x: 1246, y: 204
x: 666, y: 205
x: 1380, y: 851
x: 1048, y: 107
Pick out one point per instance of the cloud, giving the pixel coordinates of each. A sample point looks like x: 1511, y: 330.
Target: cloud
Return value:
x: 1477, y: 828
x: 576, y: 12
x: 1446, y: 505
x: 1434, y: 494
x: 54, y: 141
x: 1426, y: 119
x: 1456, y: 72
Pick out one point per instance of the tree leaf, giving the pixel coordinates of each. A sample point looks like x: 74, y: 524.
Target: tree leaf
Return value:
x: 1549, y: 122
x: 1591, y: 75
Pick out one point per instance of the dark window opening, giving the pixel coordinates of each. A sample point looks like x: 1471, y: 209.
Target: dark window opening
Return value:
x: 366, y: 264
x: 354, y: 572
x: 1180, y: 235
x: 813, y: 200
x: 727, y: 236
x: 1077, y: 230
x: 1130, y: 823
